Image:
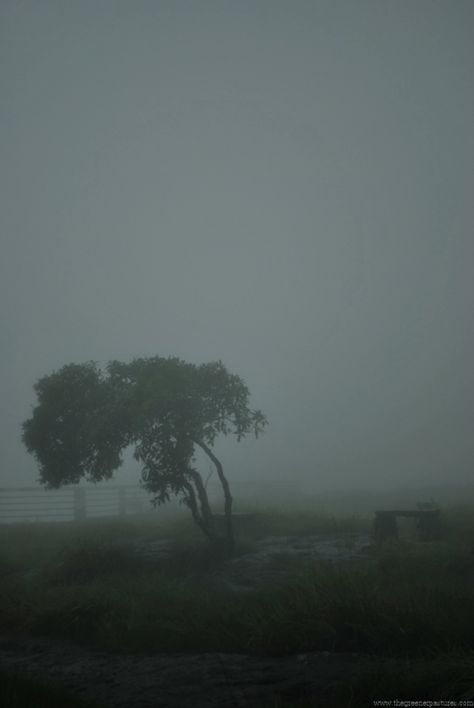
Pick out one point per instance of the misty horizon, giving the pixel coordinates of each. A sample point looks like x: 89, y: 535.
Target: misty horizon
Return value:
x: 286, y: 188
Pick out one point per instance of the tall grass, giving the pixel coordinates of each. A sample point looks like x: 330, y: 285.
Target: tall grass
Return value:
x: 18, y: 691
x: 406, y: 600
x: 445, y: 677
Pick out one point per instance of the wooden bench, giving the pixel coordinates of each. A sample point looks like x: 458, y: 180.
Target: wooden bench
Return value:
x: 428, y: 523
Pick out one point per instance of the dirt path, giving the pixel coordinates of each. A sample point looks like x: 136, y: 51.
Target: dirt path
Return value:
x: 175, y: 680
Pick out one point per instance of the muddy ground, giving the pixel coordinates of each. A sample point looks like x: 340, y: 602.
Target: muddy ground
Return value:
x: 176, y: 680
x: 198, y: 680
x: 259, y: 566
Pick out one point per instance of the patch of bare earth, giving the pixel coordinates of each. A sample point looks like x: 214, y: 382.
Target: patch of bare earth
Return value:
x: 206, y: 680
x: 175, y: 680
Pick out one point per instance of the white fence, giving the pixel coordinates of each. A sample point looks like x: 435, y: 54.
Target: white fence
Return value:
x: 71, y: 503
x: 19, y: 504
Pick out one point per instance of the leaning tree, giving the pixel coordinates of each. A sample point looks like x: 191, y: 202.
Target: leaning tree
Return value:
x: 165, y: 408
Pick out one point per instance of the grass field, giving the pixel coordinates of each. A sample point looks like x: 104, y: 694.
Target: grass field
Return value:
x: 408, y: 601
x: 18, y: 692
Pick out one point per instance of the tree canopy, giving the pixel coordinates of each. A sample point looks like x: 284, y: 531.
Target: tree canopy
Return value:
x: 165, y: 407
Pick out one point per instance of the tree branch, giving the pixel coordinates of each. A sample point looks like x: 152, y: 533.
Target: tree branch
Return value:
x: 227, y: 495
x: 203, y: 499
x: 191, y: 502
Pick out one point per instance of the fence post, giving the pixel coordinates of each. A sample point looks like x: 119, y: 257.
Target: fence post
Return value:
x: 79, y: 504
x: 121, y: 501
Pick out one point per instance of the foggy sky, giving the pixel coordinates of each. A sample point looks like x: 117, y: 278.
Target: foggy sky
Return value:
x: 285, y: 186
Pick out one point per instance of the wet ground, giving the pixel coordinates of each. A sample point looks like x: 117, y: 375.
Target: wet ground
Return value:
x: 333, y: 548
x: 200, y: 680
x: 177, y: 680
x: 266, y: 562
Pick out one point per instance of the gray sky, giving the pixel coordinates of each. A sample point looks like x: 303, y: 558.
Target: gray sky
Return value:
x: 286, y: 186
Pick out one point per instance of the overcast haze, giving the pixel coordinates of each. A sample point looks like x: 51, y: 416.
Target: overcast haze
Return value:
x: 285, y: 186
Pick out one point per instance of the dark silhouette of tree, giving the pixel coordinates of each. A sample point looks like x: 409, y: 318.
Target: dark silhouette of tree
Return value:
x: 164, y: 407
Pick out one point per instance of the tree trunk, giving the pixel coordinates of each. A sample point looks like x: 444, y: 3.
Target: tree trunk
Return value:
x: 206, y: 513
x: 227, y: 496
x: 191, y: 502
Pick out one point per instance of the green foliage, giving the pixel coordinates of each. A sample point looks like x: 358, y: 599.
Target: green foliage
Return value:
x: 73, y: 431
x: 407, y: 610
x: 164, y: 407
x: 87, y: 561
x: 405, y: 600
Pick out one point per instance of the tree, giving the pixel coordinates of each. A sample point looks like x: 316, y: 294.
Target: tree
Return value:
x: 165, y: 407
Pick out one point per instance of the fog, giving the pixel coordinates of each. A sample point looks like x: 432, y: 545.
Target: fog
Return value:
x: 286, y: 187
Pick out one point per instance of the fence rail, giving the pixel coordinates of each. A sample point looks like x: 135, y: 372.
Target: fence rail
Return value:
x: 81, y: 502
x: 70, y: 504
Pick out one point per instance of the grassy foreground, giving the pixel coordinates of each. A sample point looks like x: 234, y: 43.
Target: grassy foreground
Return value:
x: 447, y: 677
x: 407, y: 601
x: 18, y: 692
